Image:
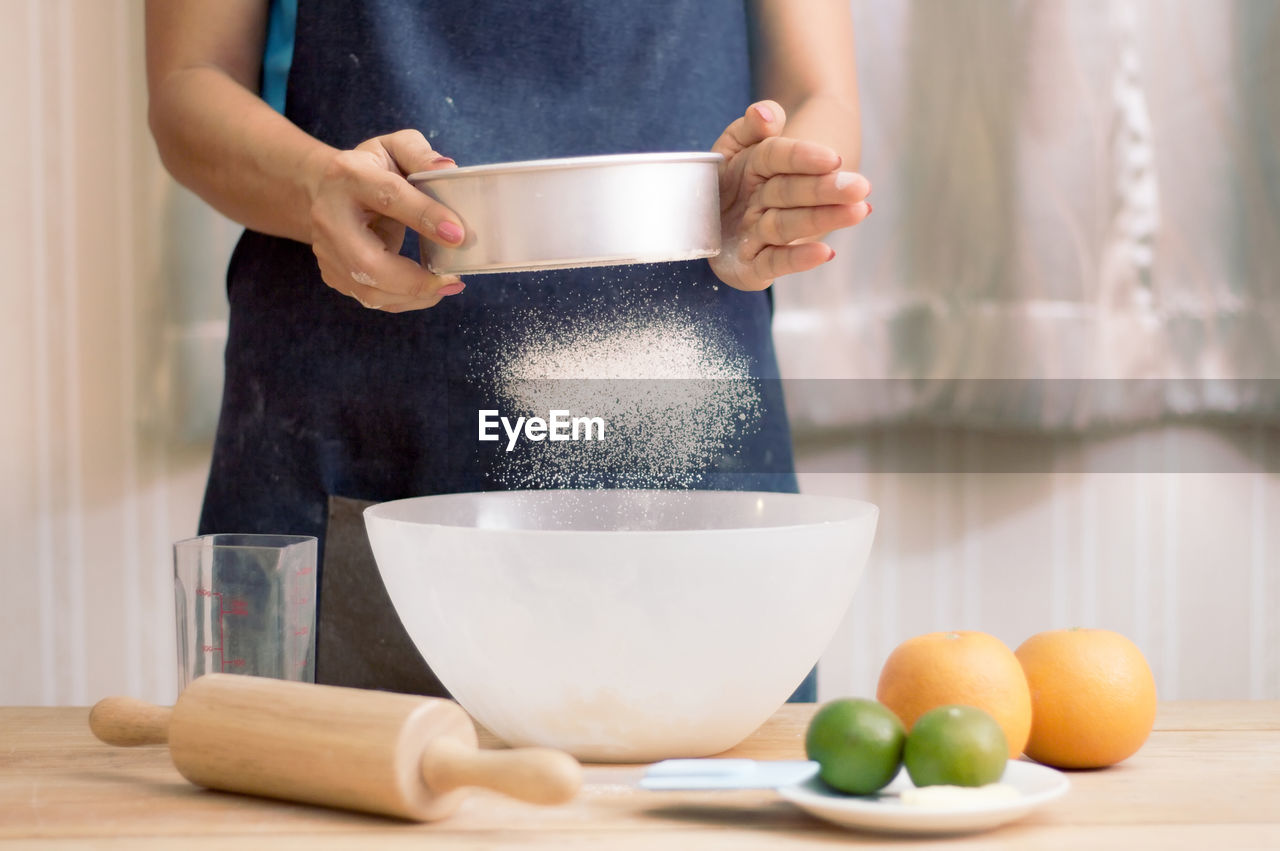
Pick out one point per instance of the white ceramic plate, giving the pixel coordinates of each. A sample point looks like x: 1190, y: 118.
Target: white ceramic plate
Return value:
x: 885, y: 812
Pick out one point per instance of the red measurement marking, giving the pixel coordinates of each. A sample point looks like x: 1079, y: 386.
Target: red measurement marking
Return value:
x: 302, y: 631
x: 214, y: 648
x: 239, y: 606
x: 303, y: 572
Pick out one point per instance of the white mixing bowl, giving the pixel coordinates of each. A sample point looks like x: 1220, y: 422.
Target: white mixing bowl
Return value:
x: 621, y: 626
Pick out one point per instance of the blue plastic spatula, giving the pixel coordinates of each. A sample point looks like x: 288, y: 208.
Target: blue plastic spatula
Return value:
x: 727, y: 774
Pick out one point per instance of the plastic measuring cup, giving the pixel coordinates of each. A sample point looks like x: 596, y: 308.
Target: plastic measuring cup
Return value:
x: 246, y: 604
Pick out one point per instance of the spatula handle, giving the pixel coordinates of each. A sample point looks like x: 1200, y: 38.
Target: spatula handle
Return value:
x: 536, y: 775
x: 125, y: 721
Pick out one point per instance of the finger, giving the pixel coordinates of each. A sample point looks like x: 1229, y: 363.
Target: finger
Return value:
x: 781, y: 226
x: 337, y: 276
x: 390, y: 233
x: 791, y: 190
x: 780, y: 155
x: 376, y: 299
x: 778, y: 260
x: 388, y: 194
x: 410, y: 152
x: 762, y: 120
x: 353, y: 285
x: 390, y: 306
x: 346, y: 243
x: 397, y: 278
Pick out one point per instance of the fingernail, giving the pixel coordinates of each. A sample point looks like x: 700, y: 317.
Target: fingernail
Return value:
x: 765, y: 112
x: 453, y: 289
x: 449, y: 232
x: 832, y: 255
x: 443, y: 159
x: 870, y: 209
x: 845, y: 179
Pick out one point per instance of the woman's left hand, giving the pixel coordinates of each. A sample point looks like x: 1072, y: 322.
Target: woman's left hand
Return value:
x: 778, y: 198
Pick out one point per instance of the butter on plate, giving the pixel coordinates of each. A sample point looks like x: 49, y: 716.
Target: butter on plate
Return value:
x: 958, y: 797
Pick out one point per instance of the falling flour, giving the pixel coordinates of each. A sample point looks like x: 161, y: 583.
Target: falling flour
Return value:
x: 676, y: 397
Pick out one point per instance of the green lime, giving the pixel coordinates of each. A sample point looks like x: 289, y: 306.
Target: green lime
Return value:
x: 955, y: 746
x: 857, y: 743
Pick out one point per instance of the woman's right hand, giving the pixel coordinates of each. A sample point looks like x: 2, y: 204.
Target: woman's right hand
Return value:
x: 361, y: 204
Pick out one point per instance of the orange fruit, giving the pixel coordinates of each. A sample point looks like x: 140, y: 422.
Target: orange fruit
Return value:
x: 1092, y: 694
x: 967, y: 668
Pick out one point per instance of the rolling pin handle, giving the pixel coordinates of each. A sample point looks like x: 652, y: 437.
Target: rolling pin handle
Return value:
x: 126, y: 722
x: 536, y: 775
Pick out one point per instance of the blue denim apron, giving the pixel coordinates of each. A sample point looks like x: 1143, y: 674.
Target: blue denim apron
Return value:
x: 325, y: 398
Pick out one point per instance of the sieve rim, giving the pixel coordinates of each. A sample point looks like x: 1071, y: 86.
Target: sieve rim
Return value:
x: 565, y: 164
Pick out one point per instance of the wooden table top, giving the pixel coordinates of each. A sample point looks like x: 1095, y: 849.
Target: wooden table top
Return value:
x: 1209, y: 777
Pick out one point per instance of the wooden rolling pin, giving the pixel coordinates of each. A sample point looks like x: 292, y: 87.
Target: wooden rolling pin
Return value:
x: 373, y: 751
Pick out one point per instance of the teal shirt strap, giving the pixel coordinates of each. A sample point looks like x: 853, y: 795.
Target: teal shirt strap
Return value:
x: 277, y: 56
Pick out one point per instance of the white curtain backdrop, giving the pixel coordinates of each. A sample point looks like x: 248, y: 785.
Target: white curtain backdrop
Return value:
x: 1085, y: 189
